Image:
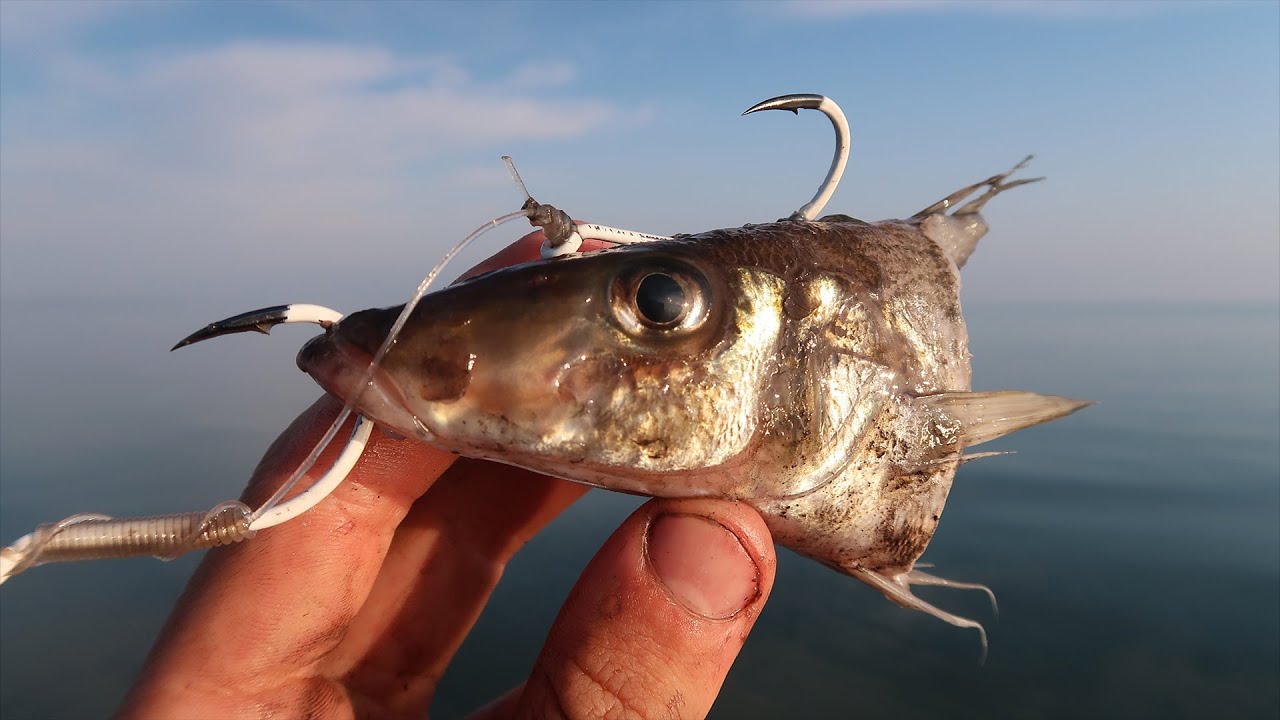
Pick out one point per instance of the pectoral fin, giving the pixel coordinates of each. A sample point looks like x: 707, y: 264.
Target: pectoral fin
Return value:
x: 976, y: 417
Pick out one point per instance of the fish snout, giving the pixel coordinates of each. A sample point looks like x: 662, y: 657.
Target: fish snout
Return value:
x: 346, y: 348
x: 427, y: 366
x: 318, y: 352
x: 339, y: 363
x: 333, y: 363
x: 367, y: 329
x: 430, y: 362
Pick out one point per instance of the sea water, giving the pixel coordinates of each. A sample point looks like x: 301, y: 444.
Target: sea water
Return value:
x: 1134, y: 547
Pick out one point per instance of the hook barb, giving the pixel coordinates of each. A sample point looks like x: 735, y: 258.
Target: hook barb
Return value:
x: 262, y: 321
x: 794, y: 102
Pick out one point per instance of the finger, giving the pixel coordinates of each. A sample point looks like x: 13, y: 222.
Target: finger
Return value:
x: 260, y: 612
x: 320, y: 549
x: 658, y: 616
x: 256, y: 614
x: 445, y: 561
x: 458, y: 537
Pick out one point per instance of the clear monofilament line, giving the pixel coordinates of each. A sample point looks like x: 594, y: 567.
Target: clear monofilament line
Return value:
x: 367, y: 381
x: 306, y: 465
x: 84, y: 537
x: 515, y: 176
x: 426, y: 283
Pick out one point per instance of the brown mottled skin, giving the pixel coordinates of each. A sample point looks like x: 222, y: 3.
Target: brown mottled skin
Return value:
x: 358, y: 610
x: 821, y: 376
x: 878, y: 511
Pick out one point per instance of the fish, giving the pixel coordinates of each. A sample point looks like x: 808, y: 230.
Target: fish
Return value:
x: 816, y: 370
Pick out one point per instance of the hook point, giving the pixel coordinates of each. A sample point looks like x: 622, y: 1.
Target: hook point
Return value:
x: 794, y: 102
x: 262, y: 321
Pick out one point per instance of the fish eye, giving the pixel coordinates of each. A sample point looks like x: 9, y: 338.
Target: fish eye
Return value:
x: 659, y: 300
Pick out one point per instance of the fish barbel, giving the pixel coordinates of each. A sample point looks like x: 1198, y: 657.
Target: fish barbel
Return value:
x: 818, y: 371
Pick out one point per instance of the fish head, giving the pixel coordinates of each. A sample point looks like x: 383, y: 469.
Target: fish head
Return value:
x: 626, y: 362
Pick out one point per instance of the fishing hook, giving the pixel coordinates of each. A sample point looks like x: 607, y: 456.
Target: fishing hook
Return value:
x: 826, y: 106
x: 564, y: 236
x: 262, y: 321
x: 93, y: 536
x: 90, y: 536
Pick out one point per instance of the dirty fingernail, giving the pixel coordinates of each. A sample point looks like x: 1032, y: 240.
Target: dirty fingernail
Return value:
x: 703, y: 564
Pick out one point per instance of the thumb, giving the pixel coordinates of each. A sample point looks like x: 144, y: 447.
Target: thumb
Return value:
x: 658, y: 616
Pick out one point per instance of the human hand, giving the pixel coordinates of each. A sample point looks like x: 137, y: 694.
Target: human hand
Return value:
x: 357, y: 608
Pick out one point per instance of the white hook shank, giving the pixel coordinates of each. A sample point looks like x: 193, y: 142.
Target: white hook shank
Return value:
x: 828, y: 107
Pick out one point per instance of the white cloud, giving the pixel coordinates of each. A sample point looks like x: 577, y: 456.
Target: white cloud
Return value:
x: 31, y: 24
x: 542, y: 75
x: 270, y: 107
x: 829, y: 9
x: 260, y: 148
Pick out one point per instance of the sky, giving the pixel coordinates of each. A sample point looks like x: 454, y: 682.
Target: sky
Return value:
x: 254, y: 153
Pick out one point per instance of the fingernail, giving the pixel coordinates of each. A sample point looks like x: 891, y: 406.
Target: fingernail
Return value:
x: 703, y: 564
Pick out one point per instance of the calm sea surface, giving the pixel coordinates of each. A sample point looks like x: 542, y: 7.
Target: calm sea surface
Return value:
x: 1135, y: 547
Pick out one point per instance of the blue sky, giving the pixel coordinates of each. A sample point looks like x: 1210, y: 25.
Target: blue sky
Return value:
x: 299, y: 151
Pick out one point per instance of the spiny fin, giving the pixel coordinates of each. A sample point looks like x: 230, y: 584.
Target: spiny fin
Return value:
x: 916, y: 577
x: 984, y: 416
x: 961, y: 459
x: 897, y: 587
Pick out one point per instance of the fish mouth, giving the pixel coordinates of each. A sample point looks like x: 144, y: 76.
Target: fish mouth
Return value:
x: 339, y: 362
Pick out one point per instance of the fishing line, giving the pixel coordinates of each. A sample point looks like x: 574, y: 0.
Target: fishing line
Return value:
x: 367, y: 381
x: 279, y: 513
x: 562, y: 235
x: 89, y: 536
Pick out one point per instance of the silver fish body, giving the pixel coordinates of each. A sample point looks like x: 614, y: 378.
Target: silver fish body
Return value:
x: 818, y: 371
